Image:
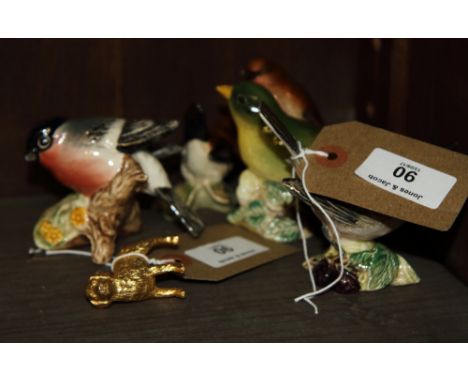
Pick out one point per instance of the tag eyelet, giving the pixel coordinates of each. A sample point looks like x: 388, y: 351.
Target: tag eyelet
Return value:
x: 337, y: 156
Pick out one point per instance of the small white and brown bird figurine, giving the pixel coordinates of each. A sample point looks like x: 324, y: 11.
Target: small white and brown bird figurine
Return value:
x: 205, y: 164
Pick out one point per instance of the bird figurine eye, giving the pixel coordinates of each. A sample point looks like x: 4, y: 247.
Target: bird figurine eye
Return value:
x: 250, y: 102
x: 241, y: 99
x: 44, y: 141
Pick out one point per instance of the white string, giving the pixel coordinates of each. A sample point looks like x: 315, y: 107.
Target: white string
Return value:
x: 302, y: 154
x: 307, y: 297
x: 304, y: 250
x: 192, y: 194
x: 205, y: 184
x: 54, y: 252
x: 150, y: 261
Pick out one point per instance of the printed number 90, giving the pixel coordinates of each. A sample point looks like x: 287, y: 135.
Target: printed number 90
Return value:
x: 408, y: 176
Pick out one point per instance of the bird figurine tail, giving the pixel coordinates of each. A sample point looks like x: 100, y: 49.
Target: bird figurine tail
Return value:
x: 189, y: 219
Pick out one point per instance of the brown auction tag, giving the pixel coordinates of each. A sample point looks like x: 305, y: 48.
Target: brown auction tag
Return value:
x: 389, y: 173
x: 224, y: 250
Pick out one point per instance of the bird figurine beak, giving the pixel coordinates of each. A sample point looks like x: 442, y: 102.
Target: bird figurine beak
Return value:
x: 224, y: 90
x: 31, y: 156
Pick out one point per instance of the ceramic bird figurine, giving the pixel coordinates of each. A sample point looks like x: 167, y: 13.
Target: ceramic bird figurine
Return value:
x: 85, y: 154
x: 204, y: 166
x: 290, y: 95
x: 264, y: 201
x: 259, y: 148
x: 369, y: 265
x: 104, y: 159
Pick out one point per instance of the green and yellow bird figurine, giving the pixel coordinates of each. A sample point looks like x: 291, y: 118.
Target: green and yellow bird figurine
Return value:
x: 260, y: 150
x: 264, y: 201
x: 365, y: 264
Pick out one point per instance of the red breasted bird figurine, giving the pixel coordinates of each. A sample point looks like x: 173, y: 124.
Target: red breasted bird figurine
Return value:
x: 86, y: 154
x: 290, y: 95
x: 103, y: 160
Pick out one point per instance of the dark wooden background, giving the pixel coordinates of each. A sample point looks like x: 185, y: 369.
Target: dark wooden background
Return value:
x: 42, y: 79
x: 415, y: 87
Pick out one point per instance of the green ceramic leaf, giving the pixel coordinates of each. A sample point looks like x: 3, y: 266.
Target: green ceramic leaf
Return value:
x: 264, y: 208
x: 376, y: 268
x: 406, y: 274
x: 256, y: 217
x: 282, y: 229
x: 277, y: 195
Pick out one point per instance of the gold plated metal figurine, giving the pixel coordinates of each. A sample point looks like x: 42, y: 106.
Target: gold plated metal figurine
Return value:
x: 133, y: 275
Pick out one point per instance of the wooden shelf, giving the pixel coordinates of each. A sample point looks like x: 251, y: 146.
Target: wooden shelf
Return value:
x: 43, y: 300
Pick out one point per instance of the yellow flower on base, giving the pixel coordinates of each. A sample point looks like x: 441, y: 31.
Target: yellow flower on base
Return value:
x: 50, y: 233
x: 78, y: 216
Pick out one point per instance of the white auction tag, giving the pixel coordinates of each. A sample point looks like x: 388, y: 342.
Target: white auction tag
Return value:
x: 223, y: 252
x: 406, y: 178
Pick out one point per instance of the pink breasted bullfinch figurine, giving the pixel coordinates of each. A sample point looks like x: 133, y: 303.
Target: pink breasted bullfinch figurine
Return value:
x: 88, y: 154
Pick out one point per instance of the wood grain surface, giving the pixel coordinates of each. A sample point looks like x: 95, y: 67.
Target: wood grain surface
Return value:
x: 42, y: 300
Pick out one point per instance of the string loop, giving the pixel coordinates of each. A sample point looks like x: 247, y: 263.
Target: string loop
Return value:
x: 303, y: 152
x: 307, y: 297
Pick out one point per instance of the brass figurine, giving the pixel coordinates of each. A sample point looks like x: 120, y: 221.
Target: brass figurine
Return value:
x: 144, y: 247
x: 133, y: 275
